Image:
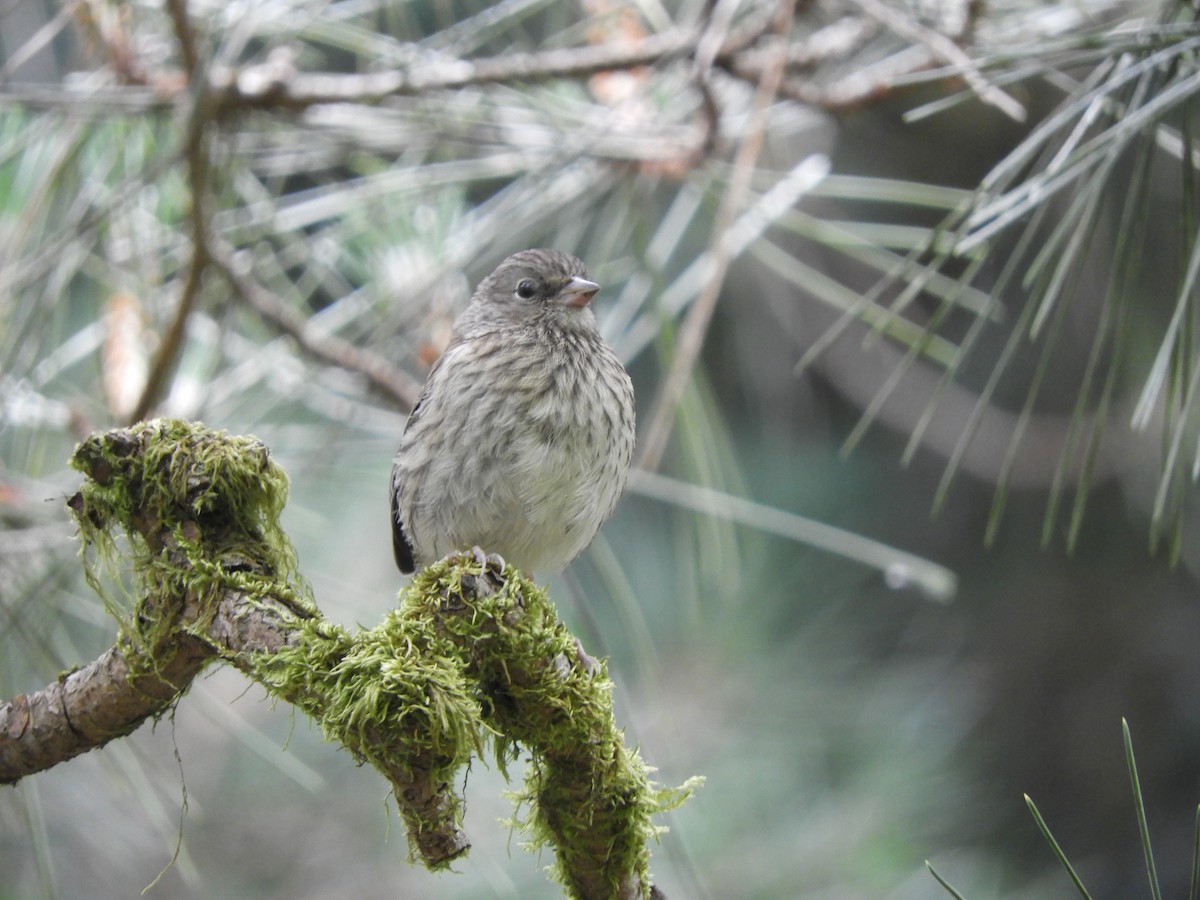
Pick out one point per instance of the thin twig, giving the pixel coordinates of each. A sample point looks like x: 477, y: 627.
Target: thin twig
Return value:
x: 381, y: 374
x: 262, y: 87
x: 861, y: 87
x: 269, y: 85
x: 172, y: 339
x: 189, y: 55
x: 197, y: 159
x: 252, y: 87
x: 695, y: 326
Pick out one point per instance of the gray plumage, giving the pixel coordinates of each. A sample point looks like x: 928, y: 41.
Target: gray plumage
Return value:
x: 521, y: 440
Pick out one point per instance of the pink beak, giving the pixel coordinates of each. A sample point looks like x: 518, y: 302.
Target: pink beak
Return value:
x: 577, y: 292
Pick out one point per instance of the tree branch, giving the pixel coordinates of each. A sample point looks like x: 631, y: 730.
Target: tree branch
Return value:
x: 90, y: 706
x: 275, y: 85
x: 268, y: 86
x: 383, y: 376
x: 196, y: 151
x: 473, y: 654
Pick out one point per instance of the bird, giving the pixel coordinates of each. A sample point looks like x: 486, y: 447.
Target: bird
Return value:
x: 520, y: 442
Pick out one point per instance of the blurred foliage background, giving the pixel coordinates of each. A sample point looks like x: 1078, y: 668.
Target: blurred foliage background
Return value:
x: 957, y: 239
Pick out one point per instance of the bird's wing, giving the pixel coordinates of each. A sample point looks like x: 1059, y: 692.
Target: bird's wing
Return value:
x: 402, y: 547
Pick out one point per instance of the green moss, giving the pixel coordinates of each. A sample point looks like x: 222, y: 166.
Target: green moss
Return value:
x: 169, y: 470
x: 471, y: 655
x: 196, y: 512
x: 411, y: 715
x: 587, y: 794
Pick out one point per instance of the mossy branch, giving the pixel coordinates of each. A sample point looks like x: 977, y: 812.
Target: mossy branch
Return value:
x: 472, y: 656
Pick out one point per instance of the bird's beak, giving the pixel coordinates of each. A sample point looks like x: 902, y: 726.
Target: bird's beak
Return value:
x: 577, y: 292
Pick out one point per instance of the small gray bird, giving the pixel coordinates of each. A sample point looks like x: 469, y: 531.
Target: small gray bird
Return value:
x: 521, y: 440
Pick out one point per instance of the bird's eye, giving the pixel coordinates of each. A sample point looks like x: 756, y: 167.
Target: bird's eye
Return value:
x: 526, y: 289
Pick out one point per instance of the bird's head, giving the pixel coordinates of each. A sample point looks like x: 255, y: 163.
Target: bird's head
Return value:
x: 534, y: 286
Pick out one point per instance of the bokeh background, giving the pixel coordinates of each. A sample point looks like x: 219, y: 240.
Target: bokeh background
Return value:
x: 871, y: 644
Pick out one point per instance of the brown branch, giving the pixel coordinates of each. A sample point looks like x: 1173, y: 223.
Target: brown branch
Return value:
x: 275, y: 84
x: 136, y: 679
x: 473, y: 651
x: 114, y: 694
x: 261, y: 87
x: 196, y: 152
x: 91, y: 706
x: 185, y: 35
x: 174, y: 483
x: 270, y: 86
x: 171, y: 342
x: 382, y: 375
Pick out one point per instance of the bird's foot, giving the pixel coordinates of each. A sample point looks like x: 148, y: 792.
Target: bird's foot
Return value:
x: 489, y: 562
x: 563, y: 665
x: 491, y: 574
x: 589, y: 663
